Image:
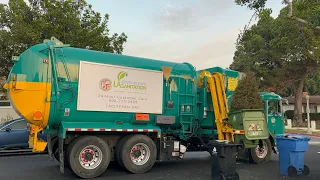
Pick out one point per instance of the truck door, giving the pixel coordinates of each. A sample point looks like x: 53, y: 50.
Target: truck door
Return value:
x: 274, y: 116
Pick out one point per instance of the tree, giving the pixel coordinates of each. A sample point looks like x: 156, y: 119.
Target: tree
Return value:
x: 3, y: 94
x: 311, y: 22
x: 246, y: 95
x: 282, y: 51
x: 312, y: 83
x: 73, y: 22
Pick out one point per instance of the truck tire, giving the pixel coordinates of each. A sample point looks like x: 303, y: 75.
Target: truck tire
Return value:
x: 138, y: 153
x: 261, y: 155
x: 89, y: 156
x: 119, y: 149
x: 55, y: 151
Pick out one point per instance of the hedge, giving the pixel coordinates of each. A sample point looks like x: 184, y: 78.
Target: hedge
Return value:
x: 313, y: 116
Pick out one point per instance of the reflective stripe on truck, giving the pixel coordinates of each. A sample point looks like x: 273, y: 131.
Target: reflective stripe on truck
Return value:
x: 112, y: 130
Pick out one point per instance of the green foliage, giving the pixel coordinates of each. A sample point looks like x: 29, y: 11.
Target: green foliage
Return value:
x: 282, y: 52
x: 280, y: 48
x: 252, y: 4
x: 313, y: 116
x: 3, y: 93
x: 246, y: 95
x: 312, y: 83
x: 22, y: 26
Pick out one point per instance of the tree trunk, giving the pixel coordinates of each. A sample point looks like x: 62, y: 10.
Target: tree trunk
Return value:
x: 298, y: 100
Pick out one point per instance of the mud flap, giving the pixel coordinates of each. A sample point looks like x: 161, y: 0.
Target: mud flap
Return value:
x: 50, y: 147
x: 61, y: 155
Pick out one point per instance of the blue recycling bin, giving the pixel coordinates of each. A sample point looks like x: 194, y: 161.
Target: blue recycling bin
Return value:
x: 291, y: 149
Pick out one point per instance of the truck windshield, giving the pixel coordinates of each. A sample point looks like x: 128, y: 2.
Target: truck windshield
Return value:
x: 274, y: 107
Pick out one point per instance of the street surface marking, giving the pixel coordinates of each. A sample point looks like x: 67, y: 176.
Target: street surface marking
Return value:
x: 314, y: 143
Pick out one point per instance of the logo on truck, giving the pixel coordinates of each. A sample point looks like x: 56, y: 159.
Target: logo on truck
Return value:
x: 128, y: 84
x: 105, y: 84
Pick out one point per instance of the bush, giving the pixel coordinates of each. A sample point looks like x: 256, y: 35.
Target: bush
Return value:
x: 313, y: 116
x: 246, y: 95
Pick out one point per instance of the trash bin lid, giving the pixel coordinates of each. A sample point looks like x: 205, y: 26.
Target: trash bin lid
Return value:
x: 293, y: 137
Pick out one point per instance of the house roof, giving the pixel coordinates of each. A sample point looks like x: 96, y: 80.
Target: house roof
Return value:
x: 312, y: 100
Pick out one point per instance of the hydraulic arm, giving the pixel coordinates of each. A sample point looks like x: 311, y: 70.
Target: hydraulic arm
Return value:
x: 216, y: 87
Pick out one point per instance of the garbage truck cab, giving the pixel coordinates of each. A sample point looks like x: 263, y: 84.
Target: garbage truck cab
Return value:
x: 273, y: 109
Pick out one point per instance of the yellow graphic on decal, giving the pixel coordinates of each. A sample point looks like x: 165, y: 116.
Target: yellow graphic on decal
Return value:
x: 232, y: 83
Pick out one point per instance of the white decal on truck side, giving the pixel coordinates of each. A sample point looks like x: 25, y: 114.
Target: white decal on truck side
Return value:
x: 104, y: 87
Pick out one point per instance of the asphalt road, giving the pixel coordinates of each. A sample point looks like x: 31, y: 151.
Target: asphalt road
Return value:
x: 195, y: 166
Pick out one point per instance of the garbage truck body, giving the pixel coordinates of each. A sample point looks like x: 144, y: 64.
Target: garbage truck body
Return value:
x: 97, y: 107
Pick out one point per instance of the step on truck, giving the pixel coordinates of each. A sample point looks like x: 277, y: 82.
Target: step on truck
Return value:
x: 98, y: 107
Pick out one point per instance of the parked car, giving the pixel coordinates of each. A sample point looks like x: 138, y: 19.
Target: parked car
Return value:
x: 14, y: 135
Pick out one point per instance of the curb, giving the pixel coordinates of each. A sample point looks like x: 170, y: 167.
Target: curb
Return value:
x: 304, y: 134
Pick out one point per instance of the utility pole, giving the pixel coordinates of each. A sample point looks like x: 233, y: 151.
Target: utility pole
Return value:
x: 308, y: 115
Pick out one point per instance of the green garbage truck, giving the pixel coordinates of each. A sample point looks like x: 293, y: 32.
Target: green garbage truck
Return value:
x: 98, y: 107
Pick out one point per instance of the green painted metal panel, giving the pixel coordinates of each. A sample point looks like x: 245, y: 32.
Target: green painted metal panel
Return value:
x: 252, y: 121
x: 31, y: 67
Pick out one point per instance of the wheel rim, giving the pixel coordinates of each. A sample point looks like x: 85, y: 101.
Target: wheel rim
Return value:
x: 220, y: 176
x: 90, y: 157
x: 263, y: 151
x: 140, y: 154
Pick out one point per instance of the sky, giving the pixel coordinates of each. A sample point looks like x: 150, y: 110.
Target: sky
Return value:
x: 201, y: 32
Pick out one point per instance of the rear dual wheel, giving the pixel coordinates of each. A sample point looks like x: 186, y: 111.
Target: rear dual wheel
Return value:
x: 89, y: 156
x: 136, y: 153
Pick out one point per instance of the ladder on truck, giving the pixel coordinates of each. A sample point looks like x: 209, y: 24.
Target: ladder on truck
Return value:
x: 220, y: 105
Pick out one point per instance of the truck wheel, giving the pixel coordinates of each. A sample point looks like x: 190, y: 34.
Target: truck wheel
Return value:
x: 89, y: 156
x: 138, y: 153
x: 55, y: 151
x: 261, y: 155
x: 219, y: 176
x: 118, y: 150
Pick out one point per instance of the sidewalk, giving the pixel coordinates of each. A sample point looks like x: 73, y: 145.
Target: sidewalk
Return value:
x: 305, y: 134
x: 303, y: 131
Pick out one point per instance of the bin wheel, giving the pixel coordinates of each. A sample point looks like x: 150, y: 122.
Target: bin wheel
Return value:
x: 219, y: 176
x: 236, y: 177
x: 306, y: 170
x: 292, y: 171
